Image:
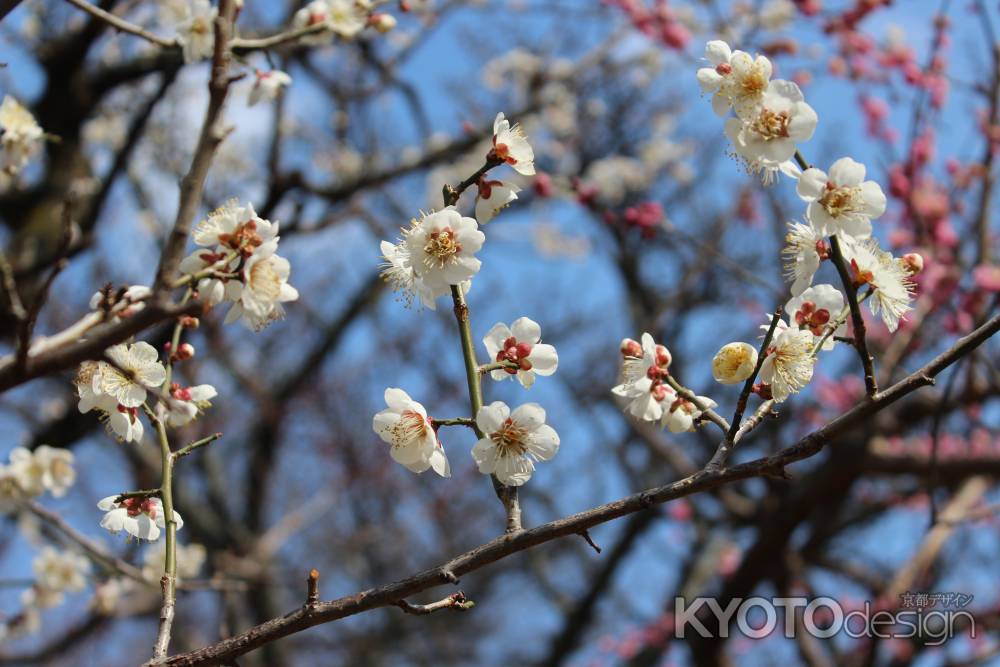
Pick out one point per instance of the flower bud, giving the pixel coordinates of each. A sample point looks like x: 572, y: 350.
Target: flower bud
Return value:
x: 913, y: 262
x: 734, y: 363
x: 189, y: 322
x: 631, y: 348
x: 663, y: 357
x: 184, y: 352
x: 382, y: 22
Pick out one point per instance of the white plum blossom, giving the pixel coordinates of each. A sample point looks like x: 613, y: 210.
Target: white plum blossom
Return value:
x: 520, y: 344
x: 513, y: 441
x: 187, y: 403
x: 789, y: 363
x: 141, y: 361
x: 511, y: 146
x: 141, y: 518
x: 842, y: 202
x: 58, y: 572
x: 44, y: 469
x: 682, y: 414
x: 735, y: 78
x: 343, y: 17
x: 114, y: 394
x: 493, y: 197
x: 195, y: 31
x: 20, y: 136
x: 347, y: 17
x: 404, y: 424
x: 814, y: 309
x: 889, y: 277
x: 643, y: 371
x: 233, y: 227
x: 734, y: 363
x: 442, y: 247
x: 266, y: 85
x: 262, y: 290
x: 398, y: 273
x: 804, y: 249
x: 766, y: 139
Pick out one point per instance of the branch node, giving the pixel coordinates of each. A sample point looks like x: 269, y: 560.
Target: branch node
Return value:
x: 449, y: 576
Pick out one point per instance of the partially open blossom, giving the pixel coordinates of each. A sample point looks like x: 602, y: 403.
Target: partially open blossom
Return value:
x: 187, y: 403
x: 680, y: 416
x: 20, y: 136
x: 141, y: 518
x: 913, y: 262
x: 642, y: 381
x: 768, y: 137
x: 511, y: 146
x: 815, y: 309
x: 382, y: 22
x: 442, y: 247
x: 195, y: 31
x: 871, y: 265
x: 842, y: 202
x: 513, y: 441
x: 804, y: 249
x: 789, y: 363
x: 734, y: 363
x: 267, y: 84
x: 493, y: 197
x: 520, y: 344
x: 44, y: 469
x: 407, y: 428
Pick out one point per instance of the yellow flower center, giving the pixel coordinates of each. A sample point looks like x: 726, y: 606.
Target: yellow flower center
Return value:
x: 771, y: 125
x: 510, y: 439
x: 442, y: 246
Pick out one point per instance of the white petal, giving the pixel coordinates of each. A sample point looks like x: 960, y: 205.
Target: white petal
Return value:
x: 544, y: 442
x: 544, y: 359
x: 530, y: 416
x: 812, y: 184
x: 846, y: 171
x: 491, y: 417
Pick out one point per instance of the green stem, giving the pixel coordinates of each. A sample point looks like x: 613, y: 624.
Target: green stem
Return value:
x: 468, y: 353
x: 167, y: 498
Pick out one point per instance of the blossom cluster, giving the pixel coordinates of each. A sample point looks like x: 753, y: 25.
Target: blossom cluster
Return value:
x: 436, y: 256
x: 30, y: 473
x: 239, y: 263
x: 767, y: 121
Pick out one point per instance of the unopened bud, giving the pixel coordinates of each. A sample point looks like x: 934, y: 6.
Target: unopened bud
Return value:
x: 913, y: 262
x: 184, y: 352
x: 763, y: 390
x: 631, y: 348
x: 382, y: 22
x: 189, y: 322
x: 663, y: 357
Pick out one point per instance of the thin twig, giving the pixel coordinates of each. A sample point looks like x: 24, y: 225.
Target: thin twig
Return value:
x: 726, y: 445
x: 121, y: 24
x: 456, y: 601
x: 857, y: 319
x: 706, y: 411
x: 187, y: 449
